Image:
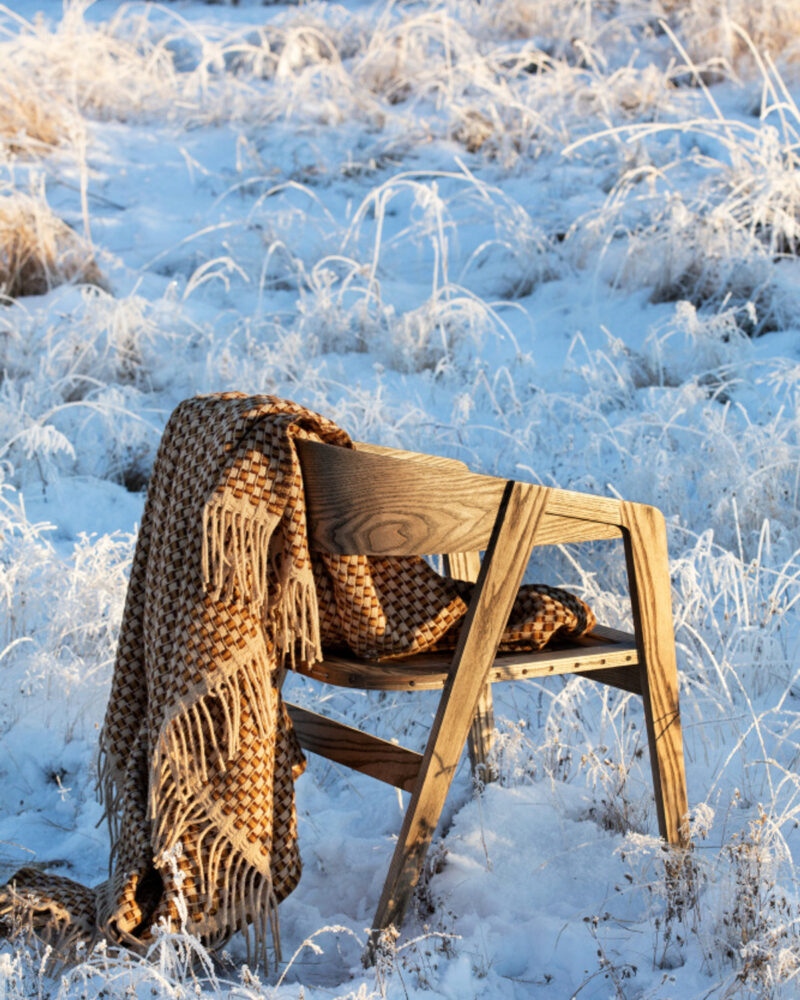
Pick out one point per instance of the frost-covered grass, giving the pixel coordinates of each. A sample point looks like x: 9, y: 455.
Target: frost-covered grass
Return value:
x: 37, y: 249
x: 556, y: 240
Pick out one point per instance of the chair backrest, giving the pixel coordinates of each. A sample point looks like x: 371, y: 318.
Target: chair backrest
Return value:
x: 369, y: 502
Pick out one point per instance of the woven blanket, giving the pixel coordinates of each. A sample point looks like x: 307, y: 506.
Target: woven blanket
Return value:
x: 197, y: 754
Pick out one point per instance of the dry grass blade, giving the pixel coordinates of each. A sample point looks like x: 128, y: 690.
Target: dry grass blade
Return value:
x: 39, y: 251
x: 718, y: 29
x: 28, y: 124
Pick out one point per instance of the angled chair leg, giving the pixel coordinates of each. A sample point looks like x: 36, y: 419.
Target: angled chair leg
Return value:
x: 491, y: 603
x: 648, y: 575
x: 481, y: 738
x: 467, y: 566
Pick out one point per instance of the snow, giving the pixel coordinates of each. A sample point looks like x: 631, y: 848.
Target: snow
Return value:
x: 556, y: 241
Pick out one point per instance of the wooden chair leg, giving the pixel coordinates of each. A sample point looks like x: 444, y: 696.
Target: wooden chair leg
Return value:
x: 648, y: 576
x: 467, y: 566
x: 481, y: 738
x: 491, y: 604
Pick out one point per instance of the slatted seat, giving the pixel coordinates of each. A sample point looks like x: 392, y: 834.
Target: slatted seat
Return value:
x: 603, y: 649
x: 384, y: 502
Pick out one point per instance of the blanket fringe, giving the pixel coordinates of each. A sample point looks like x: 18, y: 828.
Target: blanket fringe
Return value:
x: 298, y: 629
x: 190, y: 745
x: 237, y: 562
x: 235, y: 555
x: 247, y: 901
x: 189, y: 748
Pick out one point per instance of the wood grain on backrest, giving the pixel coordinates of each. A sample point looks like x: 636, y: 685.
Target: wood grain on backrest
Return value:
x: 413, y: 456
x: 363, y: 502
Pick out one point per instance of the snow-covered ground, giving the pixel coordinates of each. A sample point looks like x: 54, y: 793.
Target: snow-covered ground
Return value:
x: 555, y: 239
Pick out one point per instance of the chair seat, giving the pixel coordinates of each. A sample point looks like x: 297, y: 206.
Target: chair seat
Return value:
x: 604, y: 650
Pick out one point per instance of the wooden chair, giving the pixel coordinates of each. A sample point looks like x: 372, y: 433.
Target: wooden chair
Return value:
x: 382, y: 502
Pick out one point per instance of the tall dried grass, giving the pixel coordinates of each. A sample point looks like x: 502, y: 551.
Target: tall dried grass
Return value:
x: 38, y: 250
x: 714, y: 29
x: 28, y: 123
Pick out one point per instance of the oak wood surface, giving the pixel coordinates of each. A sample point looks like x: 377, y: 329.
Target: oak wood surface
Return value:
x: 467, y: 566
x: 506, y: 557
x: 396, y: 765
x: 651, y: 600
x: 363, y: 503
x: 360, y: 501
x: 414, y: 456
x: 559, y: 530
x: 624, y: 678
x: 481, y: 738
x: 569, y: 503
x: 429, y: 671
x: 463, y: 565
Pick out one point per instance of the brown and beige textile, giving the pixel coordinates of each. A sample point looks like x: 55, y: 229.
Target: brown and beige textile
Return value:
x: 197, y: 755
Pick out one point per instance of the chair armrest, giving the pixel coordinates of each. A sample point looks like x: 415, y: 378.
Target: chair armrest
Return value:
x: 575, y: 517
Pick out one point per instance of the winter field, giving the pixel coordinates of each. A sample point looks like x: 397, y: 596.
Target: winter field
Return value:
x: 556, y: 239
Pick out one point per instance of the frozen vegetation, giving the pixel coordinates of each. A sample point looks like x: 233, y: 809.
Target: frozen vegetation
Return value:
x: 556, y: 239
